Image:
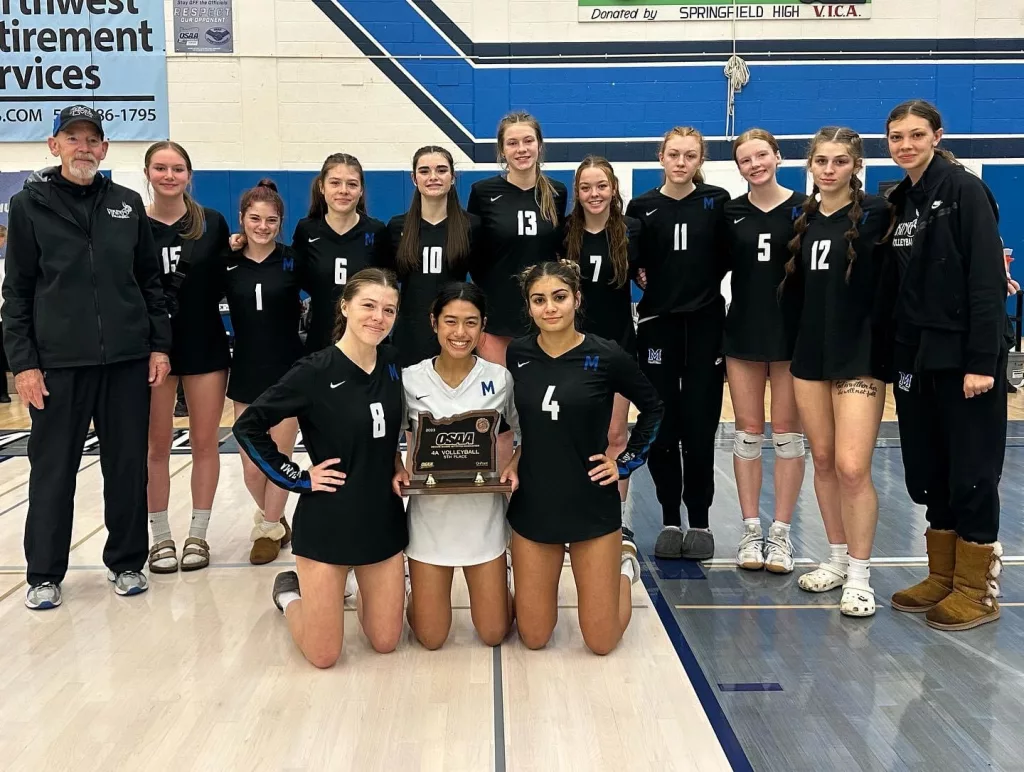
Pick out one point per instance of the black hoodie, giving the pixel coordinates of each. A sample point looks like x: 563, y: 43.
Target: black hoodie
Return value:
x: 80, y: 292
x: 954, y: 286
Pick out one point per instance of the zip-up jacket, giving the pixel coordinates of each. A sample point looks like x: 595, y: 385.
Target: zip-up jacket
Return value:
x: 955, y: 280
x: 76, y: 297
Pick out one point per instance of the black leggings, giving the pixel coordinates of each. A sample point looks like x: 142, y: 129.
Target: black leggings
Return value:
x: 953, y: 450
x: 681, y: 356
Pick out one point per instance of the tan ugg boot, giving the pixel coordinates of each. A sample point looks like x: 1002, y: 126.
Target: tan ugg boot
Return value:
x: 939, y: 582
x: 266, y: 540
x: 975, y: 588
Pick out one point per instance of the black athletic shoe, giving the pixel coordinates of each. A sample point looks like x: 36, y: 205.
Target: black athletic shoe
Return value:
x: 628, y: 535
x: 286, y: 581
x: 5, y: 398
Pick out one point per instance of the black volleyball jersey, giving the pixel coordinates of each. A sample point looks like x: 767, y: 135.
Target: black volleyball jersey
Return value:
x: 344, y: 413
x: 565, y: 407
x: 836, y: 337
x: 759, y: 327
x: 607, y: 309
x: 328, y: 260
x: 263, y: 299
x: 413, y: 335
x: 683, y: 249
x: 513, y: 236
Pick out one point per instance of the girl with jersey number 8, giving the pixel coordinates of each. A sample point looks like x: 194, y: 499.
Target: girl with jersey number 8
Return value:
x: 837, y: 365
x: 348, y: 400
x: 459, y: 530
x: 758, y: 347
x: 262, y: 290
x: 565, y: 387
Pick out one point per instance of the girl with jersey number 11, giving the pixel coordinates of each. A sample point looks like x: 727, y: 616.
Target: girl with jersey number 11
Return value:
x: 565, y: 387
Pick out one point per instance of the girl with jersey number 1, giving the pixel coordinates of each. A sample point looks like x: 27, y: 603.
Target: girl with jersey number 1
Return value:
x: 837, y: 365
x: 348, y: 400
x: 758, y: 346
x: 565, y: 387
x: 467, y: 530
x: 683, y: 259
x: 191, y: 240
x: 603, y: 243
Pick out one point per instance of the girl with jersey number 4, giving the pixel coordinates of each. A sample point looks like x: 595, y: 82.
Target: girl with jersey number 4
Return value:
x: 758, y: 346
x: 348, y: 400
x: 467, y: 530
x: 837, y: 366
x: 565, y: 387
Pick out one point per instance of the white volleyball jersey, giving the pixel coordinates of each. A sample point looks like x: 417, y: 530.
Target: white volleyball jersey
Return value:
x: 460, y: 529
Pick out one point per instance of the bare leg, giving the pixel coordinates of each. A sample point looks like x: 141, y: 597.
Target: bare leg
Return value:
x: 605, y: 605
x: 537, y: 568
x: 789, y: 472
x: 746, y: 390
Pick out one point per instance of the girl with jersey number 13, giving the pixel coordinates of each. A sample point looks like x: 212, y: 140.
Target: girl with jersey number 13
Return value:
x: 565, y: 387
x: 348, y: 400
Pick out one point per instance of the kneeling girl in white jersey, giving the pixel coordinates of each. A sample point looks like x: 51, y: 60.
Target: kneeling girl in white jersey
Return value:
x: 458, y: 530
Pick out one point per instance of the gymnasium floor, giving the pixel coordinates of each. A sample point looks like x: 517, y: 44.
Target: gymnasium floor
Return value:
x: 719, y: 669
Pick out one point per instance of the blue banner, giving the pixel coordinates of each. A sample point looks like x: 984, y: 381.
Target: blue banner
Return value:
x: 10, y: 183
x: 108, y: 54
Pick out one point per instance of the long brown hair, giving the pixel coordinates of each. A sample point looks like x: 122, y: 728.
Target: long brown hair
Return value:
x: 922, y: 109
x: 456, y: 248
x: 545, y: 190
x: 195, y: 218
x: 317, y: 197
x: 264, y: 192
x: 615, y: 230
x: 566, y: 271
x: 367, y: 276
x: 855, y: 147
x: 688, y: 131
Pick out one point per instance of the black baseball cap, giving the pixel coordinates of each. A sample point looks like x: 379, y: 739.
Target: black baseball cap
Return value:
x: 76, y: 113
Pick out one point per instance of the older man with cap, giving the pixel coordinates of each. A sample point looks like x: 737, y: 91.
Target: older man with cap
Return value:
x: 87, y: 334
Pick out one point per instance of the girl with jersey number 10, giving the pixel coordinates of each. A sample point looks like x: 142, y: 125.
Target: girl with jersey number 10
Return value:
x: 565, y: 387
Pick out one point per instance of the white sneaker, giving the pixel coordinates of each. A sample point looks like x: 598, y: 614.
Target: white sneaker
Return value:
x: 351, y: 588
x: 857, y: 602
x: 778, y: 551
x: 823, y: 578
x: 629, y: 556
x: 750, y: 553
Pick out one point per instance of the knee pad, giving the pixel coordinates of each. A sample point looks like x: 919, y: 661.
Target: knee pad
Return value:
x: 788, y: 445
x: 747, y: 446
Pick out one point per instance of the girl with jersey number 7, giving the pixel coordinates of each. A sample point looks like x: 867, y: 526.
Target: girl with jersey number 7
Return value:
x: 459, y: 530
x: 348, y: 400
x: 758, y: 347
x: 565, y: 387
x: 838, y: 369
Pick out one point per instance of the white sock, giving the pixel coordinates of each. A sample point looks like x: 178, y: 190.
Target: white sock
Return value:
x: 627, y: 515
x: 626, y: 569
x: 859, y: 574
x: 287, y: 597
x: 159, y: 526
x: 784, y: 527
x: 752, y: 521
x: 267, y: 526
x: 838, y: 556
x: 200, y: 522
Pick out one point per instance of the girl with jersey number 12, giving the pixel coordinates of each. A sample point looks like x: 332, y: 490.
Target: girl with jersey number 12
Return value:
x: 457, y: 530
x: 348, y: 400
x: 565, y: 387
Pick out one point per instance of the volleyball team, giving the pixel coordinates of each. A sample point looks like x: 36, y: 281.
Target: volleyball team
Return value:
x: 834, y: 295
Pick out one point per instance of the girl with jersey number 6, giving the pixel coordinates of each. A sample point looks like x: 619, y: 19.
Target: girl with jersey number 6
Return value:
x: 459, y: 530
x: 838, y: 368
x: 565, y: 387
x: 348, y: 400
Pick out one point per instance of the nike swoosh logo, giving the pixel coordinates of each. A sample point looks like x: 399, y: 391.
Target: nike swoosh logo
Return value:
x: 496, y: 198
x: 232, y: 267
x: 424, y: 396
x: 651, y: 212
x: 336, y: 385
x: 522, y: 364
x: 737, y: 222
x: 316, y: 239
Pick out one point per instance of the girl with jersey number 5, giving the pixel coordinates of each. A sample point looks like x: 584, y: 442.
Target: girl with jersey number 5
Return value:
x: 459, y: 530
x: 565, y: 387
x: 837, y: 361
x: 348, y: 400
x: 758, y: 346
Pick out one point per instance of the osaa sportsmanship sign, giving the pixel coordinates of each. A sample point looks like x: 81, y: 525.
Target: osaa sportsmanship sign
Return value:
x: 721, y: 10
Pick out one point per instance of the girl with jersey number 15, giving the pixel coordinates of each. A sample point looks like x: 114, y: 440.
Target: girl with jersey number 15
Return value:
x: 348, y: 400
x: 565, y: 387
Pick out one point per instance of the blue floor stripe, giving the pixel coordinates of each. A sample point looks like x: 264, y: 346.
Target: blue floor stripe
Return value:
x: 709, y: 701
x: 677, y: 569
x: 756, y: 687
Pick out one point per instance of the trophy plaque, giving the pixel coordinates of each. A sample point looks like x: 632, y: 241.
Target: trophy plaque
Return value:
x: 456, y: 455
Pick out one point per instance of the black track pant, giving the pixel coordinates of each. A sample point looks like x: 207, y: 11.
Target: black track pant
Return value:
x: 681, y: 356
x: 3, y: 364
x: 953, y: 450
x: 116, y: 398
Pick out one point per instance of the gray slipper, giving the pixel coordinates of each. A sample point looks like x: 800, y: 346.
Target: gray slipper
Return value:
x: 698, y: 545
x: 669, y: 545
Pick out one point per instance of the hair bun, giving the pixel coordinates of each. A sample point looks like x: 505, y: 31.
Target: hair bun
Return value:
x: 266, y: 182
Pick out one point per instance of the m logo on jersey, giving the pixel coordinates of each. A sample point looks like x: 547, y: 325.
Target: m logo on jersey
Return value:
x: 393, y: 372
x: 709, y: 203
x: 795, y: 214
x: 288, y: 264
x: 905, y: 381
x: 654, y: 356
x: 488, y: 388
x: 368, y: 241
x: 590, y: 363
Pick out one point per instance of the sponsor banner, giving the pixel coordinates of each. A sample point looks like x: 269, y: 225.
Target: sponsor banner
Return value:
x: 722, y: 10
x: 10, y: 183
x: 203, y: 27
x: 107, y: 54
